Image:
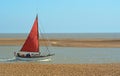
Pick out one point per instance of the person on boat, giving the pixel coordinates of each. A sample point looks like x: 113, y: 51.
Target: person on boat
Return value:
x: 28, y: 55
x: 20, y: 55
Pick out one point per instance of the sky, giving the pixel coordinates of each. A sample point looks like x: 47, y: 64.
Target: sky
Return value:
x: 60, y: 16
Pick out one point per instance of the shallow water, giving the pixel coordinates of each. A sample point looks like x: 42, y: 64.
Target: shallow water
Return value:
x: 68, y: 55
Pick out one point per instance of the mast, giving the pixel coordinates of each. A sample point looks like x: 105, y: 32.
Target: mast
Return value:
x: 37, y: 31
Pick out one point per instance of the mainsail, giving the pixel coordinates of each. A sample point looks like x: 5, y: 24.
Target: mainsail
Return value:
x: 32, y: 42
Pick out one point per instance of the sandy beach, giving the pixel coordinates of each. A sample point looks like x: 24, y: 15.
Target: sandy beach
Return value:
x: 37, y: 69
x: 68, y: 42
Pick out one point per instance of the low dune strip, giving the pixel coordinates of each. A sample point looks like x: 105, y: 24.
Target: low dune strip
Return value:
x: 67, y: 42
x: 37, y: 69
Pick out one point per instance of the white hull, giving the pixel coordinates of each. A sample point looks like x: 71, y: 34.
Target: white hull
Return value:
x: 31, y: 59
x: 33, y: 56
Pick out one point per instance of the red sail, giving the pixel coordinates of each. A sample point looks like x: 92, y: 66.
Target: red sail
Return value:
x: 32, y: 42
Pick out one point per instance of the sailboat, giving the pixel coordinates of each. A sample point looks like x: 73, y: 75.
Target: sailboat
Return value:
x: 30, y: 50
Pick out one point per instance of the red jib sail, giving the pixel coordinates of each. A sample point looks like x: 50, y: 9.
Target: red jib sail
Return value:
x: 32, y: 42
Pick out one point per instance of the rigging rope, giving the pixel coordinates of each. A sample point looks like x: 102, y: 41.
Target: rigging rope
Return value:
x: 47, y: 42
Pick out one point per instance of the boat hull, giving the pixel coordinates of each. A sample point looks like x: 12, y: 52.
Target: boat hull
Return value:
x: 31, y: 59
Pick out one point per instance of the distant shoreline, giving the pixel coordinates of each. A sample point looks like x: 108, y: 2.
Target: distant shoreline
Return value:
x: 102, y: 43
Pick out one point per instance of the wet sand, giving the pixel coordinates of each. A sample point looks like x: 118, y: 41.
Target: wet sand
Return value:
x: 68, y: 42
x: 37, y: 69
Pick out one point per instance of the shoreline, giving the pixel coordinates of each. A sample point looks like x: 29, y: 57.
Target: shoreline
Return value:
x: 37, y: 69
x: 101, y: 43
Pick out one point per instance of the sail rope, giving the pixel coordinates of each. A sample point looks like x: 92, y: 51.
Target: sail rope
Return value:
x: 47, y: 42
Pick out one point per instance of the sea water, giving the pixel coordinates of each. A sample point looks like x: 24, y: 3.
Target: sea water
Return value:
x: 67, y: 55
